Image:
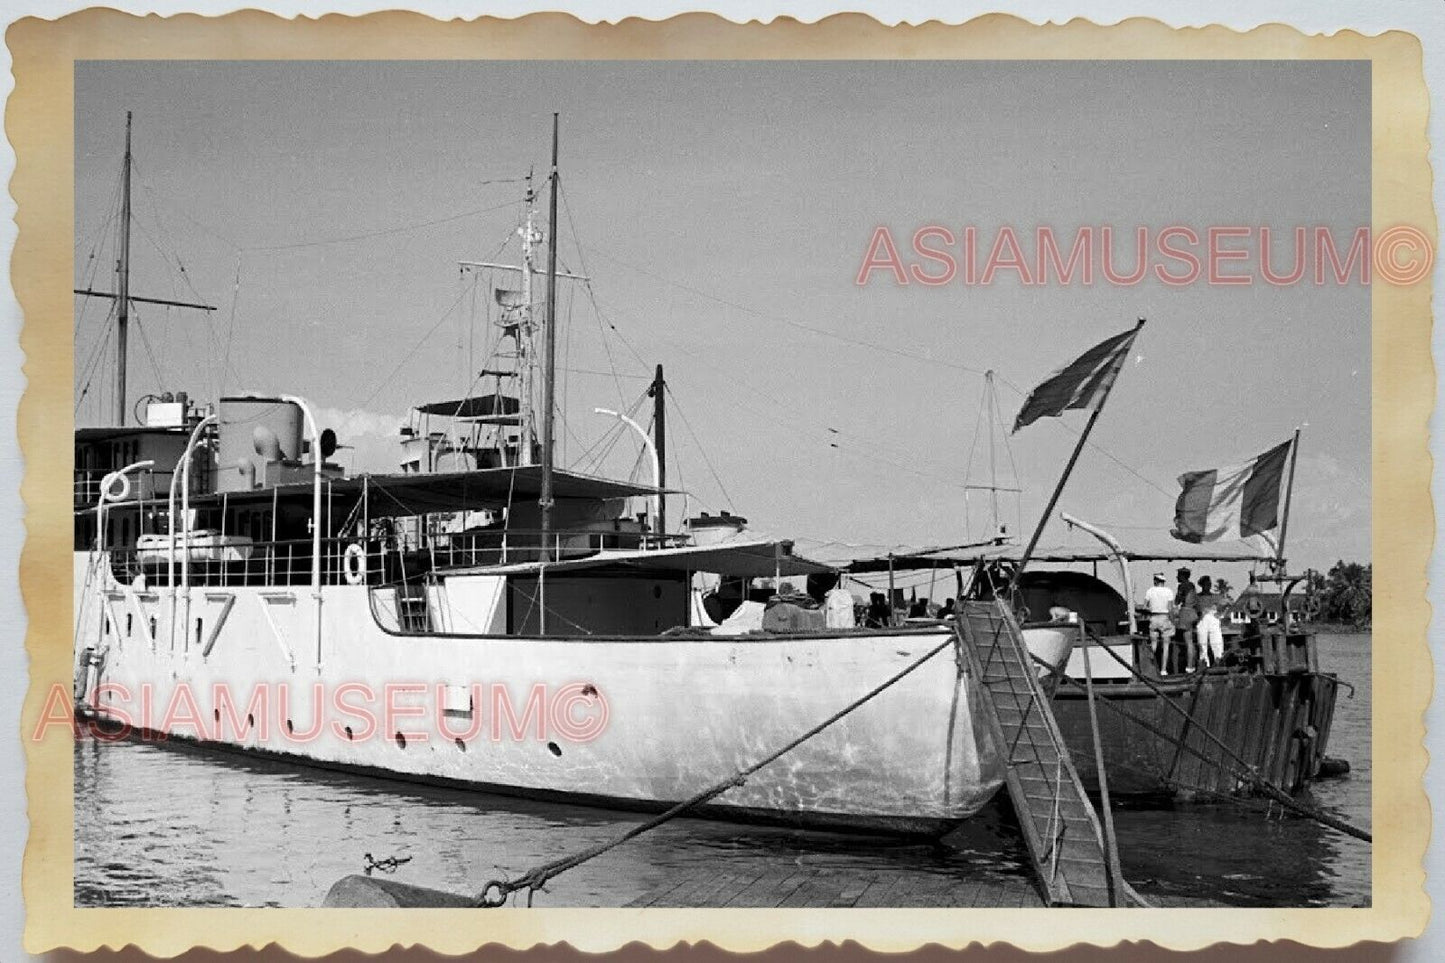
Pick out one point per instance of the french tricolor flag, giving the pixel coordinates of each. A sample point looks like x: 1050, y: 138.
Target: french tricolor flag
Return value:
x: 1231, y: 502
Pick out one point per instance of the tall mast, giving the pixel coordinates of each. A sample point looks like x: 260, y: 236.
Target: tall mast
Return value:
x: 122, y: 318
x: 659, y: 441
x: 1288, y: 493
x: 528, y: 427
x: 992, y: 460
x: 550, y: 361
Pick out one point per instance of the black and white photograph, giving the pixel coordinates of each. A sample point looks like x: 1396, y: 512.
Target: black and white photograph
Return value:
x: 722, y: 484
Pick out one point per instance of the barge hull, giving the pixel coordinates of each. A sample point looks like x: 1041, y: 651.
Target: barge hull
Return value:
x: 1278, y: 724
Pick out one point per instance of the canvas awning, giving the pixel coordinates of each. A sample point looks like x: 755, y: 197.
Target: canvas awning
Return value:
x: 417, y: 494
x: 478, y: 406
x: 923, y: 558
x: 760, y: 559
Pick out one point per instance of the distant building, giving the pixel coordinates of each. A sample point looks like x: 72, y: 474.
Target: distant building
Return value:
x: 1264, y: 607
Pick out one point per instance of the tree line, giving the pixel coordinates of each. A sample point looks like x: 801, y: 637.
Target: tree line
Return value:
x: 1344, y: 593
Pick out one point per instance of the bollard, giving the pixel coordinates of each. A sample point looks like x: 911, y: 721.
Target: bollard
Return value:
x: 368, y: 892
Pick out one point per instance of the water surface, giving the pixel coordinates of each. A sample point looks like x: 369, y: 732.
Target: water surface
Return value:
x: 172, y: 826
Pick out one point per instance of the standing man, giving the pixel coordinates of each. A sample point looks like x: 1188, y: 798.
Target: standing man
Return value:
x: 1160, y: 603
x: 1186, y: 608
x: 1211, y: 633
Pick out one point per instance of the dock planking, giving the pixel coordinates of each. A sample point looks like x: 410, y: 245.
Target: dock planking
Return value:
x: 811, y: 888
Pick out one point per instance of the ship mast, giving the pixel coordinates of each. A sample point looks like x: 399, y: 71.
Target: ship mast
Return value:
x: 527, y: 429
x: 549, y: 363
x: 121, y: 295
x: 122, y: 318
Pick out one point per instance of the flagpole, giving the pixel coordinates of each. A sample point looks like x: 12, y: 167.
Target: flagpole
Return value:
x: 1068, y: 469
x: 1288, y: 493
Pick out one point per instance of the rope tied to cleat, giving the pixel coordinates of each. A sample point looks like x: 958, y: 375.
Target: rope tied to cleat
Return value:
x: 496, y: 892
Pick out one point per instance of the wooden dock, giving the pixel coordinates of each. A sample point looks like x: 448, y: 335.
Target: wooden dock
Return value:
x: 821, y: 887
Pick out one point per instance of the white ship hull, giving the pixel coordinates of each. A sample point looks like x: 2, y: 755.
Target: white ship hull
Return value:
x: 639, y: 722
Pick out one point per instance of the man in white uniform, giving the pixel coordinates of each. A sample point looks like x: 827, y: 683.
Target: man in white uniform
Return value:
x: 1210, y: 632
x: 1159, y: 601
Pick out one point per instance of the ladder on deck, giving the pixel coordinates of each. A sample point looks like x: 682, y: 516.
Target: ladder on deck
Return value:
x: 1060, y: 826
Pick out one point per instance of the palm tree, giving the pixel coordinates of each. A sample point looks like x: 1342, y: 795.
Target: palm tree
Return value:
x: 1347, y: 593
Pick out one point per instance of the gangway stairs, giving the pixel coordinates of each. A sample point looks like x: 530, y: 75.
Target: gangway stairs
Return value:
x: 1059, y: 824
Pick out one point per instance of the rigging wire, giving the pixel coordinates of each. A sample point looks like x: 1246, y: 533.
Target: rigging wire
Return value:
x: 888, y: 349
x: 384, y: 382
x: 380, y: 233
x: 821, y: 332
x: 700, y: 448
x: 612, y: 436
x: 92, y: 367
x: 212, y: 337
x: 873, y: 443
x: 1096, y: 447
x: 101, y: 240
x: 146, y: 343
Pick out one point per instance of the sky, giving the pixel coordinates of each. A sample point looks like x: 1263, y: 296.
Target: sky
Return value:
x: 723, y: 212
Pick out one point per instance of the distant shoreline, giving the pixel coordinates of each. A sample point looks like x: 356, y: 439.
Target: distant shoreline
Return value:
x: 1337, y: 628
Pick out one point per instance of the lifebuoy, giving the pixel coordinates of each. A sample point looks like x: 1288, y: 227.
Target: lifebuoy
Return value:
x: 108, y: 482
x: 1254, y: 607
x: 354, y: 562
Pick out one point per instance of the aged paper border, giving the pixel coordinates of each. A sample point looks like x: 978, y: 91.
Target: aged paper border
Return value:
x: 39, y: 122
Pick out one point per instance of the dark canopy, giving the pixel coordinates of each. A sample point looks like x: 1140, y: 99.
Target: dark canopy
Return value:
x: 480, y: 406
x: 416, y: 494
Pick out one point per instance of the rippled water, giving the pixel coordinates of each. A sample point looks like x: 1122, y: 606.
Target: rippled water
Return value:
x: 171, y: 826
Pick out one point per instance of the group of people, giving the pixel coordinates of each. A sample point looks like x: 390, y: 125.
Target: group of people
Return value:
x: 878, y: 613
x: 1184, y: 626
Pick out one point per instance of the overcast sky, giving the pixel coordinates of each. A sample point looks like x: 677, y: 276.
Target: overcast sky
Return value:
x: 723, y: 211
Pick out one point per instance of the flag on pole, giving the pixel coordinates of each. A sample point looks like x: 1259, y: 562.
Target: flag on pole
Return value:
x: 1238, y: 502
x: 1084, y: 383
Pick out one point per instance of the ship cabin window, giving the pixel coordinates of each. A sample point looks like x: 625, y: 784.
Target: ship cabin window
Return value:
x: 254, y: 523
x: 198, y: 631
x: 129, y: 624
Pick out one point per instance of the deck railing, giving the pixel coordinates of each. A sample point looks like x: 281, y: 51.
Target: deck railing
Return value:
x: 220, y: 562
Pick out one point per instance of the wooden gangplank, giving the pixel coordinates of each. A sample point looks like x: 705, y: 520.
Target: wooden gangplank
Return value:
x: 1059, y: 824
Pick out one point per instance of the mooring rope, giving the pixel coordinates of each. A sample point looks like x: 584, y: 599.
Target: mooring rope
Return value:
x: 1246, y: 772
x: 496, y: 891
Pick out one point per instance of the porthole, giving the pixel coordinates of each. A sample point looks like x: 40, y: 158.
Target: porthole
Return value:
x: 554, y: 749
x: 461, y: 745
x: 400, y: 741
x: 348, y: 733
